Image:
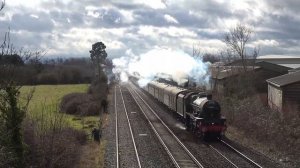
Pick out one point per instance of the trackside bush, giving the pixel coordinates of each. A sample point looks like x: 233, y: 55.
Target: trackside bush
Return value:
x: 80, y: 104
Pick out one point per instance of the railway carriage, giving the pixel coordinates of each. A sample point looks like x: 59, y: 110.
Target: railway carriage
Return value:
x: 167, y: 95
x: 174, y: 96
x: 150, y: 87
x: 170, y: 96
x: 160, y: 91
x: 156, y: 90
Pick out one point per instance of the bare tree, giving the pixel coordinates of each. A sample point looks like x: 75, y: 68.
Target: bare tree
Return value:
x: 204, y: 55
x: 237, y: 40
x: 227, y: 56
x: 2, y: 5
x: 207, y: 57
x: 196, y: 52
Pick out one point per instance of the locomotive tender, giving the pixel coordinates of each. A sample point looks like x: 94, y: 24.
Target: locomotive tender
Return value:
x: 199, y: 113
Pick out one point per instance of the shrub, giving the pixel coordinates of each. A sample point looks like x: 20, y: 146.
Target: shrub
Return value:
x: 80, y: 104
x: 265, y: 125
x: 70, y: 103
x: 56, y: 146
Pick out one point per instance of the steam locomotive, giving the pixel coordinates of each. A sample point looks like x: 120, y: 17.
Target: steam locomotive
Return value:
x: 197, y: 110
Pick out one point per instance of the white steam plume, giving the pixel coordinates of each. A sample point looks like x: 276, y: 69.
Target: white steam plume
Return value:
x: 169, y: 64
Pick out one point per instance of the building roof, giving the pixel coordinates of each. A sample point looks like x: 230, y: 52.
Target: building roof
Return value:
x: 277, y: 57
x: 286, y: 79
x: 294, y: 66
x: 239, y: 62
x: 294, y: 70
x: 273, y: 67
x: 222, y: 72
x: 283, y: 60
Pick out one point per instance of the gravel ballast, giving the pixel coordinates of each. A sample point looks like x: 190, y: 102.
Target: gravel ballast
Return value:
x: 150, y: 152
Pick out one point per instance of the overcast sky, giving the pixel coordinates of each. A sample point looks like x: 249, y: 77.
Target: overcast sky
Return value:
x: 68, y: 28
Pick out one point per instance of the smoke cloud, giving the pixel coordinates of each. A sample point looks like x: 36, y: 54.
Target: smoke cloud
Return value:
x: 174, y: 65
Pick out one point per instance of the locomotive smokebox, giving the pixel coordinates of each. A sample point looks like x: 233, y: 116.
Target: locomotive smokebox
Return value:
x: 206, y: 108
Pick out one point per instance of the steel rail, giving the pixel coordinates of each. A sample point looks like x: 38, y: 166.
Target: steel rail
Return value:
x: 241, y: 154
x: 171, y: 132
x: 223, y: 156
x: 117, y: 135
x: 130, y: 129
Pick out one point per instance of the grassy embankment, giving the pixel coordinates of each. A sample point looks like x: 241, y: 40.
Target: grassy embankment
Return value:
x: 47, y: 98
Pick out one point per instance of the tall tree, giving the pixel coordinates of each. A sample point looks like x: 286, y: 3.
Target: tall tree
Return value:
x: 99, y: 85
x: 98, y: 56
x: 237, y: 40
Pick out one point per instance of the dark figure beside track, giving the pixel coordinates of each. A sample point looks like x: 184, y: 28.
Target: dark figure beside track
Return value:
x: 104, y: 104
x: 96, y: 134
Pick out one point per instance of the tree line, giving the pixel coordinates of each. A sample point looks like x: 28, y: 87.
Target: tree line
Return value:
x: 50, y: 71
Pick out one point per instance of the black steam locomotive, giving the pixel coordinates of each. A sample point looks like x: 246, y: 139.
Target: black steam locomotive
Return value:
x: 200, y: 113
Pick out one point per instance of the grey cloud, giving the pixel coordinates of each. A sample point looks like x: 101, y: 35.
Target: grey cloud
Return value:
x: 108, y: 18
x: 126, y: 6
x: 185, y: 19
x: 4, y: 26
x: 286, y: 47
x: 208, y: 8
x: 50, y: 5
x: 205, y: 34
x: 76, y: 19
x: 134, y: 42
x: 284, y: 5
x: 150, y: 17
x: 115, y: 53
x: 28, y: 40
x: 282, y: 27
x: 271, y: 50
x: 280, y: 21
x: 26, y: 22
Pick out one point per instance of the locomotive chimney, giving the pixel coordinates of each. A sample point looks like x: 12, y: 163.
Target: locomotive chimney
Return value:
x: 209, y: 95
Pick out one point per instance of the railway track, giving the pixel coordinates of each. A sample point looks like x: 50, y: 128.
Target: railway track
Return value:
x: 239, y: 158
x: 241, y: 154
x: 117, y: 135
x: 179, y: 154
x: 138, y: 163
x: 227, y: 151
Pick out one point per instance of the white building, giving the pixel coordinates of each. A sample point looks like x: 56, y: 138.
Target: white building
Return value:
x: 284, y: 92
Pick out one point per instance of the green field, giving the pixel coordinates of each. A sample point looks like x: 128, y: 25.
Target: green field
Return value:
x: 50, y: 95
x: 46, y: 99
